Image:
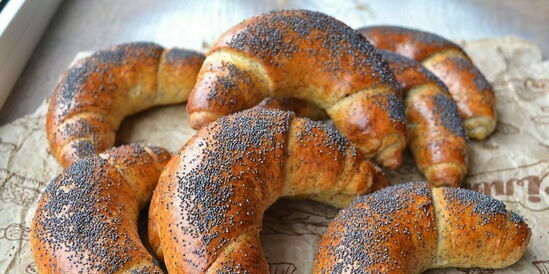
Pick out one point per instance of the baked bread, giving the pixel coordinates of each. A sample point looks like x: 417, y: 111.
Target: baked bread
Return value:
x: 410, y: 228
x: 96, y: 94
x: 469, y: 88
x: 309, y: 56
x: 86, y: 219
x: 435, y: 132
x: 209, y: 203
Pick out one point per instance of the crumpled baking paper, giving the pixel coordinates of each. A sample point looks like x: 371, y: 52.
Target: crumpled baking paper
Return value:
x: 512, y: 165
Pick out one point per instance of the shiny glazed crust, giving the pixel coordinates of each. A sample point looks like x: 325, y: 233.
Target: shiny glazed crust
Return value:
x: 435, y: 132
x: 210, y: 199
x: 310, y: 56
x: 86, y: 219
x: 469, y: 88
x: 410, y: 228
x: 95, y: 95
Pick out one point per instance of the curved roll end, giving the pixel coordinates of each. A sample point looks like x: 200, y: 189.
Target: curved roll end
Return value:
x: 177, y: 72
x: 243, y: 255
x: 410, y: 228
x: 86, y: 219
x: 517, y: 239
x: 226, y: 83
x: 473, y: 94
x: 199, y: 119
x: 391, y: 149
x: 380, y: 181
x: 374, y: 120
x: 160, y: 156
x: 476, y: 230
x: 445, y: 174
x: 469, y: 88
x: 481, y: 127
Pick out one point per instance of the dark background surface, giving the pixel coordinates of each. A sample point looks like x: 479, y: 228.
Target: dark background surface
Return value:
x: 81, y: 25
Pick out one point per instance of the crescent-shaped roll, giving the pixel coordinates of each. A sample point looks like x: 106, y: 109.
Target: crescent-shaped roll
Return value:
x: 469, y: 88
x: 86, y: 219
x: 98, y: 92
x: 435, y: 132
x: 310, y: 56
x: 411, y: 228
x: 210, y: 200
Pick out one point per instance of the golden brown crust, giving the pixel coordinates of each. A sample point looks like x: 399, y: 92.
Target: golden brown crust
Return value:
x: 414, y: 44
x: 435, y: 132
x: 93, y: 97
x: 322, y: 165
x: 211, y: 197
x: 86, y: 219
x: 469, y: 88
x: 153, y: 235
x: 476, y: 230
x: 410, y: 228
x: 310, y: 56
x: 177, y: 74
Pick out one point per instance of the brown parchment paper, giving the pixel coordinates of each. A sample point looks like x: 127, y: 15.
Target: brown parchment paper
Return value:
x: 512, y: 165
